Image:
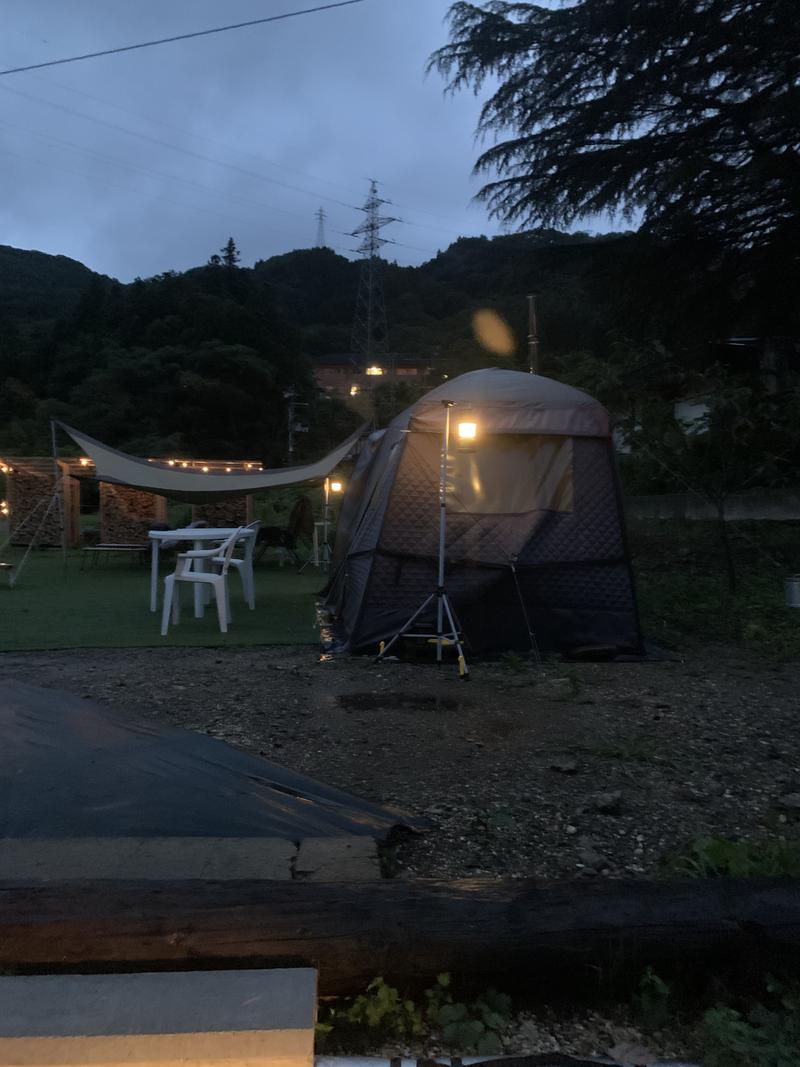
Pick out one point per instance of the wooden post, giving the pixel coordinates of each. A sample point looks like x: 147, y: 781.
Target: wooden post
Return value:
x: 486, y: 931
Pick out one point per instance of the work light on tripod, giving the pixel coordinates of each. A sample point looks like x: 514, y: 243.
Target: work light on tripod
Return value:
x: 447, y: 630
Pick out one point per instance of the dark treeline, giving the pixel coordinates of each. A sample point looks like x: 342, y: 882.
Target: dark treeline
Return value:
x: 198, y: 362
x: 194, y: 363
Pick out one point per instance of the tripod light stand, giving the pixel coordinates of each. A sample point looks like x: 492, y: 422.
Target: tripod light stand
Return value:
x: 321, y: 554
x: 445, y: 634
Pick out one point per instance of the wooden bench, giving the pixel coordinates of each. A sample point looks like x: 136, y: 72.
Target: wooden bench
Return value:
x: 96, y: 551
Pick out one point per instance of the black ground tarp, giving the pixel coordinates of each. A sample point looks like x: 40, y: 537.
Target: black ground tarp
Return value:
x: 72, y: 768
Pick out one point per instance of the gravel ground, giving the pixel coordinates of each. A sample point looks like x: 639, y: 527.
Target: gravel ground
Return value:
x: 586, y: 770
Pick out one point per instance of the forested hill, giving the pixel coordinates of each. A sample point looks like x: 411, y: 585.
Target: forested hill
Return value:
x: 594, y: 292
x: 430, y: 308
x: 36, y: 286
x: 199, y: 361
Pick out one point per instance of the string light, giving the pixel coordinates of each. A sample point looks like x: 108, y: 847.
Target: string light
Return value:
x: 198, y: 466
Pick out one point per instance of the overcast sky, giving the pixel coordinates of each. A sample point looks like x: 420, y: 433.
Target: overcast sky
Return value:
x: 147, y: 161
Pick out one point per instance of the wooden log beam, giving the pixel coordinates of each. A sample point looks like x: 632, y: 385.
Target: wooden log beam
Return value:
x: 406, y: 931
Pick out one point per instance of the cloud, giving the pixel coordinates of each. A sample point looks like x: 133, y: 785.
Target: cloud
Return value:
x: 148, y: 161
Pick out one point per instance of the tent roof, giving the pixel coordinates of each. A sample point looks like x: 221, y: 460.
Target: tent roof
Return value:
x: 509, y: 401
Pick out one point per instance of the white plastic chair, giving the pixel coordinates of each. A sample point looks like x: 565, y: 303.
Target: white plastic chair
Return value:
x: 186, y: 570
x: 244, y: 566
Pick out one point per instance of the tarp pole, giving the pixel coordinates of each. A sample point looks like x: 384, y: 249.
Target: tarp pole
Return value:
x: 58, y: 491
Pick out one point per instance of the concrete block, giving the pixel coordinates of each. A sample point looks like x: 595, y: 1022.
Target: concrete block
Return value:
x: 337, y: 859
x: 208, y: 1018
x: 167, y: 858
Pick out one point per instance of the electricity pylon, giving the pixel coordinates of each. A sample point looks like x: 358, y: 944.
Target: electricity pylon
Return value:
x: 370, y: 339
x: 320, y: 217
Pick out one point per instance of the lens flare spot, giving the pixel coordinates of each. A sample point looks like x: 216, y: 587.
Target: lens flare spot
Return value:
x: 493, y: 333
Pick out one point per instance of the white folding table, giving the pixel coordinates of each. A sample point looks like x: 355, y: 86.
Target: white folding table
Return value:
x: 200, y: 536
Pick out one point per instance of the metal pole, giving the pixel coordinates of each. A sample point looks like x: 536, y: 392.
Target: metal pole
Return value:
x: 533, y: 336
x: 290, y: 396
x: 442, y: 529
x: 325, y: 521
x: 58, y: 491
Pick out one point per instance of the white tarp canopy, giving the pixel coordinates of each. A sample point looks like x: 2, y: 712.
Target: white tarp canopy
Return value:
x: 157, y: 476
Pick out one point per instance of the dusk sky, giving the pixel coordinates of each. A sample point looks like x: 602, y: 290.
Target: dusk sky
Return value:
x: 147, y: 161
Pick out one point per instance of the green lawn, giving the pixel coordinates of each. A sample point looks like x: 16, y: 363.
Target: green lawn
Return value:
x: 107, y: 606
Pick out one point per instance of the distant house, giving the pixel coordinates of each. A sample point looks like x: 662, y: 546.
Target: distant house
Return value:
x: 771, y: 361
x: 346, y: 378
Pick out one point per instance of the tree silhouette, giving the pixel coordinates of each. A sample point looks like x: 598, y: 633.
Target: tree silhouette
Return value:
x: 681, y: 112
x: 230, y: 253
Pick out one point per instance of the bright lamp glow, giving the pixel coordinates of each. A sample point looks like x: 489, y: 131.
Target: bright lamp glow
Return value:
x: 374, y: 371
x: 467, y: 431
x: 336, y: 487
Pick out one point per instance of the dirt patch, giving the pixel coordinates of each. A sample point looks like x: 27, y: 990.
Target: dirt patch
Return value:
x: 590, y: 770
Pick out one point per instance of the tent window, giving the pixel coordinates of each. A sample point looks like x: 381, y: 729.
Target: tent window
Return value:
x: 512, y: 474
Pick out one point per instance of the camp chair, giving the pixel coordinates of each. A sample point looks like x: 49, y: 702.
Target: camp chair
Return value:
x: 299, y: 527
x: 186, y: 571
x: 244, y: 566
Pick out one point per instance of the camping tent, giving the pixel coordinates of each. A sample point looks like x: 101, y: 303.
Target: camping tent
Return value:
x: 534, y: 522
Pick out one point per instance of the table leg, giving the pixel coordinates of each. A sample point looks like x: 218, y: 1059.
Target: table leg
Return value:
x: 154, y: 574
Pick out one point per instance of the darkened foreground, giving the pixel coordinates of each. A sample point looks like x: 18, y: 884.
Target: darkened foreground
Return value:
x: 408, y: 932
x: 513, y: 770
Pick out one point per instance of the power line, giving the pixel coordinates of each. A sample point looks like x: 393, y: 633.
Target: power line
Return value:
x: 176, y: 148
x: 125, y: 188
x: 97, y: 179
x: 178, y: 129
x: 181, y: 37
x: 415, y: 248
x: 127, y: 165
x: 221, y: 144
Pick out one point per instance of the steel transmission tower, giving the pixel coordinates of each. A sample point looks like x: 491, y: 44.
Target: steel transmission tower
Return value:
x: 370, y: 338
x: 320, y: 217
